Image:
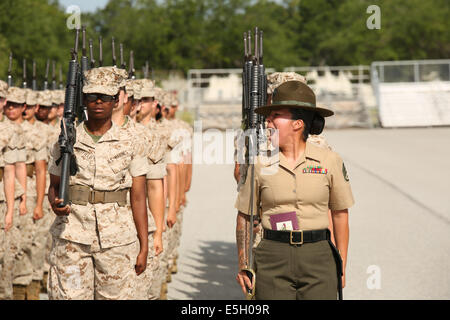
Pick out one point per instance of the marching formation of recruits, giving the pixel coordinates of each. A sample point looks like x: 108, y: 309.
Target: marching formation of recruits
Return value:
x: 118, y: 237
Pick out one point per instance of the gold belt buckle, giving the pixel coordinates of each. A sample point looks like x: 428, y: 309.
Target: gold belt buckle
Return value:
x: 291, y: 235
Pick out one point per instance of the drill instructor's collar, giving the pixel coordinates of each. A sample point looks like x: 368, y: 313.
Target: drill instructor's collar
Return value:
x: 311, y: 152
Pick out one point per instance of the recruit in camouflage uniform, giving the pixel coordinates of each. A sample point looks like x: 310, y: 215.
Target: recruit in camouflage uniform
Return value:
x: 184, y: 132
x: 12, y: 161
x: 143, y: 91
x: 154, y: 153
x: 95, y: 254
x: 36, y: 157
x: 38, y: 210
x: 171, y: 187
x: 48, y: 101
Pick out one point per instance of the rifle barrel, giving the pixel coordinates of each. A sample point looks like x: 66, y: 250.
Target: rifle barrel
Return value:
x: 24, y: 83
x: 91, y: 53
x: 113, y: 47
x: 122, y: 63
x: 100, y: 56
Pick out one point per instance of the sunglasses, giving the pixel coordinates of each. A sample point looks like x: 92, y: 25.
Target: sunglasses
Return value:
x: 14, y: 105
x: 91, y: 97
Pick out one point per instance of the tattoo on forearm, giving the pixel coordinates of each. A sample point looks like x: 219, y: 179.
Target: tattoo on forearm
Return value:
x: 242, y: 241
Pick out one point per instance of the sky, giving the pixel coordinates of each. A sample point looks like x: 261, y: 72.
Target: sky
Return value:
x: 85, y: 5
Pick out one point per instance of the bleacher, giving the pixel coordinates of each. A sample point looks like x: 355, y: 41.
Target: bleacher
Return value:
x: 412, y: 93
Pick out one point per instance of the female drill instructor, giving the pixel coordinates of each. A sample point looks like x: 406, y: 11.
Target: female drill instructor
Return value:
x: 295, y: 260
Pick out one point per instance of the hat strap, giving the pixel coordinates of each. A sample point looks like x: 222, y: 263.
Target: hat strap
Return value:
x: 294, y: 102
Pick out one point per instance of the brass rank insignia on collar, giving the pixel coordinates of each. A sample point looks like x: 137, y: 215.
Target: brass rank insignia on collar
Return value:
x: 315, y: 169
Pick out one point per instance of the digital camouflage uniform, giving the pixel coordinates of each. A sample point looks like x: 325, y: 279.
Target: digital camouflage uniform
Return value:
x: 156, y: 156
x: 41, y: 226
x: 36, y: 149
x: 94, y: 248
x: 182, y: 131
x: 12, y: 151
x: 47, y: 98
x: 171, y: 156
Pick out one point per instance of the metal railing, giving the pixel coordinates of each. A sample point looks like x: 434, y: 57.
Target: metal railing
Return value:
x: 359, y: 74
x: 410, y: 70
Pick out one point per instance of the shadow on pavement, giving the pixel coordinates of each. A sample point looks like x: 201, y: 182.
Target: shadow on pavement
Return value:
x: 214, y: 272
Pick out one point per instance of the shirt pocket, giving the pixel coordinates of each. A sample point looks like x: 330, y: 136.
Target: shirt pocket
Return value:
x: 85, y: 159
x: 119, y: 161
x: 313, y: 189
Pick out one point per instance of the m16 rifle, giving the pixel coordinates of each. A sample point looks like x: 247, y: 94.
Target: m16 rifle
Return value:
x: 33, y: 81
x: 122, y: 61
x: 61, y: 86
x: 113, y: 48
x: 10, y: 79
x: 82, y: 112
x: 24, y: 78
x: 254, y: 90
x: 100, y: 54
x: 91, y: 53
x: 131, y: 70
x: 67, y: 137
x: 47, y: 68
x: 53, y: 75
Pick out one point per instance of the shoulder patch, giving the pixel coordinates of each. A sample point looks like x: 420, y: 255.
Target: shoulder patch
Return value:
x: 344, y: 172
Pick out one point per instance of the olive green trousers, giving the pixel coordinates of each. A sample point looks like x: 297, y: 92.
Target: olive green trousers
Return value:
x: 295, y: 272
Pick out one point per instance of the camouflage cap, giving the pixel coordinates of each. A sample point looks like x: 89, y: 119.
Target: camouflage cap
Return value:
x: 277, y: 78
x: 137, y: 87
x: 16, y: 95
x: 105, y: 80
x: 159, y: 94
x: 3, y: 89
x: 61, y: 95
x: 129, y: 87
x: 165, y: 99
x: 173, y: 100
x: 46, y: 98
x: 32, y: 97
x: 147, y: 89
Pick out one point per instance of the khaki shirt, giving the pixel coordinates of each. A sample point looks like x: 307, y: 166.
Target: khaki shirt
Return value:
x: 307, y: 191
x: 103, y: 166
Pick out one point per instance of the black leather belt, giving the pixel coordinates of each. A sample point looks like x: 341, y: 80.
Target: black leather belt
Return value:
x: 297, y: 236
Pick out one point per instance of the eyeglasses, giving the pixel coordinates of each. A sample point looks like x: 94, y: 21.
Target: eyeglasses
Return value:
x: 91, y: 97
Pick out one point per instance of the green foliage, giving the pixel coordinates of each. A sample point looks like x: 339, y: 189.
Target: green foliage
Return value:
x: 185, y: 34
